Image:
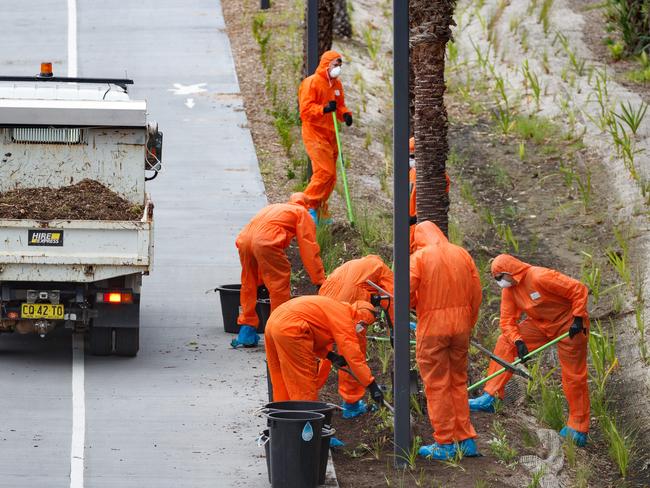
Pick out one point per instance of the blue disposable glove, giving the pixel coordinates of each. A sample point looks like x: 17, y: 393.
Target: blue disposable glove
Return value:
x: 247, y: 337
x: 352, y: 410
x: 413, y: 325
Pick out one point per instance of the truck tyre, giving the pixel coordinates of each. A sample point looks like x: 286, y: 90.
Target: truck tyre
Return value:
x: 101, y: 341
x: 127, y: 341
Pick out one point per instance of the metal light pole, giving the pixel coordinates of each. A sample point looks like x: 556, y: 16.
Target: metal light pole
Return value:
x: 402, y: 351
x: 312, y: 36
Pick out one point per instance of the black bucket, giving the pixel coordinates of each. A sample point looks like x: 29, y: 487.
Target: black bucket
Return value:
x: 295, y: 448
x: 231, y: 307
x: 327, y: 409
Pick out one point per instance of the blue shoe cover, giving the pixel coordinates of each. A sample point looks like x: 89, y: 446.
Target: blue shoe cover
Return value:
x: 579, y: 438
x: 247, y: 337
x: 314, y: 215
x: 352, y: 410
x: 334, y: 442
x: 413, y: 325
x: 484, y: 403
x: 469, y: 448
x: 440, y: 452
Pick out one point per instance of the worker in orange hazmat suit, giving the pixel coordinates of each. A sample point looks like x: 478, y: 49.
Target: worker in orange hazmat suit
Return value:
x: 320, y: 95
x: 304, y: 330
x: 261, y: 246
x: 349, y: 283
x: 553, y: 304
x: 446, y: 294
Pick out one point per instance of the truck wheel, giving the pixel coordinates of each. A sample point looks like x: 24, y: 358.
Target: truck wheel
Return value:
x: 127, y: 341
x: 101, y: 341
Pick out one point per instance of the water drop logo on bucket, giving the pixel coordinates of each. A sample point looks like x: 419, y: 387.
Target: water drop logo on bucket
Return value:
x: 307, y: 432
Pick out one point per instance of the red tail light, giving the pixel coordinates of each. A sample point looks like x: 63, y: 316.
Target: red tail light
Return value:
x: 115, y: 297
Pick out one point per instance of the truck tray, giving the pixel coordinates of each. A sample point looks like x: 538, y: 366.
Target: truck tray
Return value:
x: 75, y: 250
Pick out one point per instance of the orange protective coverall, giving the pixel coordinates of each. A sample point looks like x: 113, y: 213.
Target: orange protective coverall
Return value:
x: 550, y: 300
x: 446, y: 294
x: 261, y: 246
x: 318, y: 135
x: 303, y: 330
x: 348, y: 283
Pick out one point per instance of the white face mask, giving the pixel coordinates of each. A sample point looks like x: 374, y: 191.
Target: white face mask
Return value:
x: 335, y: 72
x: 411, y: 163
x: 504, y: 283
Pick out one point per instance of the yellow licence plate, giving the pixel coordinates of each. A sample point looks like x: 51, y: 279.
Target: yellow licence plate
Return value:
x: 41, y: 311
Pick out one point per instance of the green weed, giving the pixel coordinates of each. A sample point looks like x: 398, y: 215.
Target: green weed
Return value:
x: 618, y: 260
x: 532, y: 80
x: 499, y: 445
x: 372, y: 38
x: 620, y: 444
x: 467, y: 193
x: 375, y: 230
x: 570, y: 451
x: 544, y: 12
x: 504, y: 231
x: 583, y: 473
x: 411, y: 456
x: 504, y: 119
x: 631, y: 21
x: 332, y: 251
x: 261, y: 36
x: 550, y: 406
x: 538, y: 129
x: 455, y: 232
x: 640, y: 327
x: 455, y: 461
x: 584, y: 189
x: 284, y: 121
x: 536, y: 481
x: 631, y: 116
x: 376, y: 447
x: 529, y: 439
x: 603, y: 358
x: 385, y: 355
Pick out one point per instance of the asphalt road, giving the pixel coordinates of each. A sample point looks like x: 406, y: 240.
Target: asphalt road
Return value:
x: 180, y: 413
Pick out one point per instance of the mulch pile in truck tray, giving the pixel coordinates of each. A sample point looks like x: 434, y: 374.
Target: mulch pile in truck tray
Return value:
x: 86, y: 200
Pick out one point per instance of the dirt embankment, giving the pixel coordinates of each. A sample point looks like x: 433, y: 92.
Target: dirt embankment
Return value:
x: 86, y: 200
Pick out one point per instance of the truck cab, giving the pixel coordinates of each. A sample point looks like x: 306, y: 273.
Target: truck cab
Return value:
x: 78, y: 271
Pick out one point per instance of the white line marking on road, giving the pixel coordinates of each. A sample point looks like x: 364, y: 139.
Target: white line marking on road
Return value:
x: 78, y: 412
x: 78, y: 373
x: 180, y: 89
x: 72, y: 38
x: 189, y: 103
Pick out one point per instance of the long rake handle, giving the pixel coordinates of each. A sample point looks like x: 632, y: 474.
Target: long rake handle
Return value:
x: 517, y: 361
x: 343, y: 175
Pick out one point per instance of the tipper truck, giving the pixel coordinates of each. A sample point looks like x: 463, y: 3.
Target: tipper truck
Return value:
x: 81, y: 273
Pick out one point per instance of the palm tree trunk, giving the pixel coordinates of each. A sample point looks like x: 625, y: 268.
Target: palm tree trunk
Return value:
x: 342, y: 26
x: 430, y: 22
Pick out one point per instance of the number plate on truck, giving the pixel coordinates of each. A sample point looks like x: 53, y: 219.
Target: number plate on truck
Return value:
x: 41, y: 311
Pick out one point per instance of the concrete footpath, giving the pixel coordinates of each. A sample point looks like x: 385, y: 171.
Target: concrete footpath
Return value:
x: 180, y: 414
